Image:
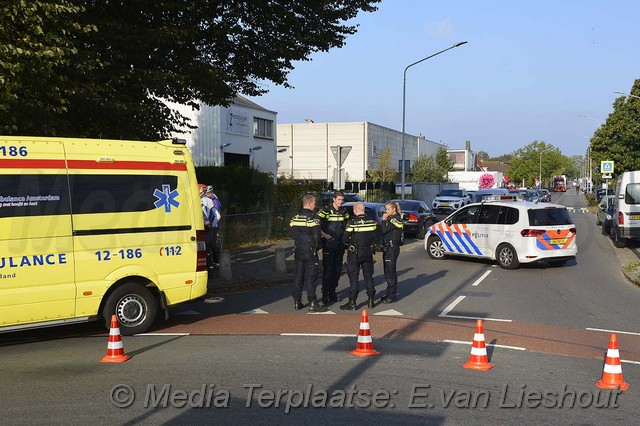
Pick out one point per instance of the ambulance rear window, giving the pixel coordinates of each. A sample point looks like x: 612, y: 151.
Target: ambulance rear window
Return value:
x: 549, y: 217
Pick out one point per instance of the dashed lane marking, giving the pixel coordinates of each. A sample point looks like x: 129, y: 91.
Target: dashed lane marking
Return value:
x: 445, y: 313
x: 390, y: 312
x: 479, y: 280
x: 254, y: 311
x: 517, y: 348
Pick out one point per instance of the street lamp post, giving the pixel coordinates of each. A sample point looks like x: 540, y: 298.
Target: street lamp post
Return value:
x: 590, y: 159
x: 404, y: 96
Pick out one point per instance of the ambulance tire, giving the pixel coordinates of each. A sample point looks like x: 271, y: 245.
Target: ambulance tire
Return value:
x: 435, y: 248
x: 135, y: 306
x: 507, y: 256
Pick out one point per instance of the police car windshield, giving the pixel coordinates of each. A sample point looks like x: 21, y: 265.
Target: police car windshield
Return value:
x: 451, y: 193
x: 549, y: 216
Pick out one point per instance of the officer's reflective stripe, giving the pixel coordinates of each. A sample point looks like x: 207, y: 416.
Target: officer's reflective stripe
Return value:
x: 361, y: 228
x: 334, y: 218
x: 397, y: 223
x: 304, y: 221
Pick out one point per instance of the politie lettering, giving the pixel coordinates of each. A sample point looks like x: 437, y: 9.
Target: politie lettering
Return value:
x: 33, y: 260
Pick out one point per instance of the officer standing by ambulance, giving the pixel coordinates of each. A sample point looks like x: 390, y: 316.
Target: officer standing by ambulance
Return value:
x: 392, y: 237
x: 333, y: 220
x: 360, y: 236
x: 305, y: 231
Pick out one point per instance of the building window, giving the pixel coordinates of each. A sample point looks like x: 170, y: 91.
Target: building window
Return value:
x: 262, y: 128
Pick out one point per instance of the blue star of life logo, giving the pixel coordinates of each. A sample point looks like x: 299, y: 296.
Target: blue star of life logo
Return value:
x: 166, y: 198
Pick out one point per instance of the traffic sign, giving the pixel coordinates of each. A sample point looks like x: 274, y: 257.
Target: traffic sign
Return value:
x: 606, y: 167
x: 606, y: 176
x: 340, y: 153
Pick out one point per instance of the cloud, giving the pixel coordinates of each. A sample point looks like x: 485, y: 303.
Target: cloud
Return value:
x: 440, y: 29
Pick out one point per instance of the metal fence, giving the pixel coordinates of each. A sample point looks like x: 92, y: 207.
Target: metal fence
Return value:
x: 239, y: 229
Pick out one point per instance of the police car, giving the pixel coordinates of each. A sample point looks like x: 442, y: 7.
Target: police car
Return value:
x: 508, y: 230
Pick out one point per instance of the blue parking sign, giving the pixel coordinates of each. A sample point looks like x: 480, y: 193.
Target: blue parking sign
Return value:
x: 606, y: 167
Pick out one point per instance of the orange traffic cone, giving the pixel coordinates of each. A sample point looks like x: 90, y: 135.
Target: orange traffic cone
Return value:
x: 478, y: 360
x: 115, y: 349
x: 612, y: 373
x: 364, y: 347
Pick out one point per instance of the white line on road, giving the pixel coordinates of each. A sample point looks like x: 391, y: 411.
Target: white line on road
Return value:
x: 479, y: 280
x: 476, y: 318
x: 318, y: 334
x: 613, y: 331
x: 517, y: 348
x: 451, y: 306
x: 630, y: 362
x: 162, y: 334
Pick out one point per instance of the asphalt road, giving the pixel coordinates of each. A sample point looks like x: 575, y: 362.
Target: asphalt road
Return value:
x: 547, y: 330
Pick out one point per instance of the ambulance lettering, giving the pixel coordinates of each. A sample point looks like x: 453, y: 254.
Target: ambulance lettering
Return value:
x: 33, y: 260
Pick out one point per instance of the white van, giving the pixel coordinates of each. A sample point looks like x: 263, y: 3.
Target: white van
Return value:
x: 626, y: 215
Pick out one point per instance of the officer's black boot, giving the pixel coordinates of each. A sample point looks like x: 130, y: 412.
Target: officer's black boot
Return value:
x: 297, y: 304
x: 315, y: 306
x: 333, y: 297
x: 349, y: 306
x: 390, y: 298
x: 325, y: 298
x: 371, y: 303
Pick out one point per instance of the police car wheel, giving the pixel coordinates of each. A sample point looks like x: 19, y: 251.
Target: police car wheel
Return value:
x: 507, y: 257
x: 134, y: 305
x: 435, y: 248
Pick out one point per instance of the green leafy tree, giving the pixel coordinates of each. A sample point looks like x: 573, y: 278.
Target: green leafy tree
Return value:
x: 385, y: 172
x: 618, y: 139
x: 528, y: 162
x: 109, y: 66
x: 482, y: 155
x: 431, y: 168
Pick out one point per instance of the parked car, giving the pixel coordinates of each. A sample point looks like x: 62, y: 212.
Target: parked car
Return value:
x: 416, y: 217
x: 480, y: 194
x: 546, y: 195
x: 608, y: 219
x: 450, y: 200
x: 606, y: 201
x: 603, y: 193
x: 373, y: 210
x: 626, y: 223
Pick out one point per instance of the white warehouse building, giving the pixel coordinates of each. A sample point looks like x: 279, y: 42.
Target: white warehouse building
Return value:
x: 305, y: 150
x: 242, y: 133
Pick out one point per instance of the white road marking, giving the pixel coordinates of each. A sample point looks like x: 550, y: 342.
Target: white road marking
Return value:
x: 479, y: 280
x: 254, y: 311
x: 390, y: 312
x: 162, y: 334
x: 517, y: 348
x: 451, y: 306
x: 613, y: 331
x: 630, y: 362
x: 319, y: 334
x: 321, y: 313
x: 476, y: 318
x: 215, y: 299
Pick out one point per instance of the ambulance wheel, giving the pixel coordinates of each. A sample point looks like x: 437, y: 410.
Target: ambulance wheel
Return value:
x: 507, y: 257
x: 435, y: 248
x: 135, y: 307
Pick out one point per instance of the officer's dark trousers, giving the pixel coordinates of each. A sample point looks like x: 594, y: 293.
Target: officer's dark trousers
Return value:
x: 306, y: 276
x: 331, y: 268
x: 353, y: 271
x: 390, y: 257
x: 210, y: 243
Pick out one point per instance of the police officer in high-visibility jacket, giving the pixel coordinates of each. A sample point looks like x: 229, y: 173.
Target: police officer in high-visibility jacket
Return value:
x: 305, y: 231
x: 392, y: 237
x: 333, y: 220
x: 360, y: 237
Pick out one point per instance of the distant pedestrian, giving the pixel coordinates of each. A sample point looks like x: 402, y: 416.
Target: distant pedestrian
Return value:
x: 305, y: 231
x: 392, y: 237
x: 333, y: 220
x: 210, y: 216
x: 360, y: 236
x: 215, y: 225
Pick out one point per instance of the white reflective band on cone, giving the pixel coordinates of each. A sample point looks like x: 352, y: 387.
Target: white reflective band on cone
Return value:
x: 613, y: 353
x: 478, y: 337
x: 364, y: 326
x: 115, y: 345
x: 478, y: 351
x: 364, y: 339
x: 114, y: 331
x: 613, y: 369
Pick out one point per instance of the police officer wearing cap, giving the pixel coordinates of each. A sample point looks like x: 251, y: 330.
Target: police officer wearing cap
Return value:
x: 305, y: 231
x: 392, y: 237
x: 333, y: 220
x: 360, y: 236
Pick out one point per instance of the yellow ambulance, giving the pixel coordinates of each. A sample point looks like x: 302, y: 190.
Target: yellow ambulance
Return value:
x: 92, y: 228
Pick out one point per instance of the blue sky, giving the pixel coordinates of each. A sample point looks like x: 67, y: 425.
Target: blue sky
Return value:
x: 528, y: 71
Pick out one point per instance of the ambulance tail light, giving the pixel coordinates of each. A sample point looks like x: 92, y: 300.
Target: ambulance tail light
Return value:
x: 201, y: 262
x: 413, y: 217
x: 620, y: 218
x: 532, y: 232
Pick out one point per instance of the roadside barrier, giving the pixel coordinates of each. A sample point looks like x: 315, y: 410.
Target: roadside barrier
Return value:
x: 364, y: 347
x: 612, y: 371
x: 115, y: 348
x: 478, y: 360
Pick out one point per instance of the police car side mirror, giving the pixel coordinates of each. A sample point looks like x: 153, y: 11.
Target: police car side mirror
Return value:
x: 438, y: 194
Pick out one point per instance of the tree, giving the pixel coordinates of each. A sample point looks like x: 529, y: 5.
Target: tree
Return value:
x: 482, y: 155
x: 385, y: 172
x: 618, y: 139
x: 431, y: 168
x: 118, y: 62
x: 526, y: 162
x: 444, y: 162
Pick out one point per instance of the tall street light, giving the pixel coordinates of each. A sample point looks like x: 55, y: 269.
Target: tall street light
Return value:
x: 626, y: 94
x: 404, y: 97
x: 590, y: 171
